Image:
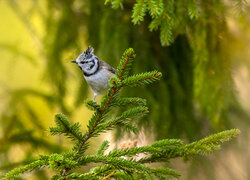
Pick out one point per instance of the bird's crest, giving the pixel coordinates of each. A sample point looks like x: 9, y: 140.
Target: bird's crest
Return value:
x: 89, y: 51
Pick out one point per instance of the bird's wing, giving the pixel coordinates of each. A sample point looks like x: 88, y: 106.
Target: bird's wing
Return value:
x: 105, y: 65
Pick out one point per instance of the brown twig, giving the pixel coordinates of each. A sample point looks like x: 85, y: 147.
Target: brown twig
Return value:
x: 109, y: 175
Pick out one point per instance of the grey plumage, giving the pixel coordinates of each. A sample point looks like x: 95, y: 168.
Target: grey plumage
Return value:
x: 105, y: 65
x: 96, y: 72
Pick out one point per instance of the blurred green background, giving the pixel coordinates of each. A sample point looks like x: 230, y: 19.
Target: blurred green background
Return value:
x: 204, y: 89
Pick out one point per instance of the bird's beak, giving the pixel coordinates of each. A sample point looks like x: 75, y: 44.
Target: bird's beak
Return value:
x: 73, y: 61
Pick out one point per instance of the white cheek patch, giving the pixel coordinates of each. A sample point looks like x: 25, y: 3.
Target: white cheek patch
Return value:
x: 91, y: 65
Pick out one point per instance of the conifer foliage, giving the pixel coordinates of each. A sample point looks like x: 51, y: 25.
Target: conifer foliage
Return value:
x: 118, y: 163
x: 163, y: 14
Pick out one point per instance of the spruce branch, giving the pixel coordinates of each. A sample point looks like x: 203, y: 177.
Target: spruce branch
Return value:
x: 128, y: 165
x: 166, y: 33
x: 103, y: 148
x: 98, y: 116
x: 92, y: 105
x: 139, y: 11
x: 210, y: 143
x: 193, y: 9
x: 155, y: 23
x: 129, y: 102
x: 122, y: 71
x: 121, y: 120
x: 142, y: 79
x: 115, y: 3
x: 134, y: 151
x: 64, y: 127
x: 167, y: 143
x: 28, y: 168
x: 125, y: 64
x: 126, y: 162
x: 109, y: 175
x: 128, y: 127
x: 101, y: 170
x: 201, y: 147
x: 163, y: 15
x: 155, y: 7
x: 80, y: 176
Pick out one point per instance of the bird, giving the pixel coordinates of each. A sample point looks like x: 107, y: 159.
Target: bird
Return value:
x: 95, y: 71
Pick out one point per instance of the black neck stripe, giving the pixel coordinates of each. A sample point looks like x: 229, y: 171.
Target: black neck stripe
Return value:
x: 89, y: 74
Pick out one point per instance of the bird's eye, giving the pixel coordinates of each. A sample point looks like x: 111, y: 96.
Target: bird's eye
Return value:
x: 83, y: 62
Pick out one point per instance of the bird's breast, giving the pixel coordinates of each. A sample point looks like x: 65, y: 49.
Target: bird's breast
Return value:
x: 99, y: 81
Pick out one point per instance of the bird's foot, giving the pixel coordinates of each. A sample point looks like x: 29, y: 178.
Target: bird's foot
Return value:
x: 95, y: 94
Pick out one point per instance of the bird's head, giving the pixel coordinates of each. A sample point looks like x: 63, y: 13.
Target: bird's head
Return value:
x: 87, y: 61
